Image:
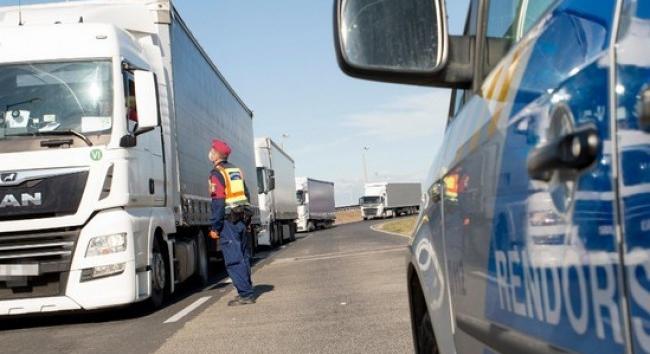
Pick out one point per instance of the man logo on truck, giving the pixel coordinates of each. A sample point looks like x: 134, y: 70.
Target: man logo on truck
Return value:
x: 9, y: 200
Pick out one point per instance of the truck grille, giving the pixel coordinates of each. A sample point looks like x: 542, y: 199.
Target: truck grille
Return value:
x: 47, y: 255
x: 46, y: 197
x: 370, y: 211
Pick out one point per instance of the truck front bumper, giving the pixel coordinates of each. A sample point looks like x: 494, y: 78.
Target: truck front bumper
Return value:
x: 79, y: 282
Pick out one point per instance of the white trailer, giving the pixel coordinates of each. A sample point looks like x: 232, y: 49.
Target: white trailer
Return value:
x: 385, y: 199
x: 277, y: 193
x: 316, y: 208
x: 108, y: 114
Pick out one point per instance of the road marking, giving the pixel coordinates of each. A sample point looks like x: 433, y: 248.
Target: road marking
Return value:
x: 335, y: 255
x: 377, y: 228
x: 184, y: 312
x: 219, y: 284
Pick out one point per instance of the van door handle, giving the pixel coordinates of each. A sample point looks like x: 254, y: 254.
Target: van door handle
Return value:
x: 573, y: 151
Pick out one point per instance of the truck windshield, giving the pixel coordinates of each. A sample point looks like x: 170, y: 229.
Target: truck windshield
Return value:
x: 64, y: 96
x: 369, y: 200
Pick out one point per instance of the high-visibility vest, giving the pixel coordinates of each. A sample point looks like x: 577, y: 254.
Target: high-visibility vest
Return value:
x: 234, y: 188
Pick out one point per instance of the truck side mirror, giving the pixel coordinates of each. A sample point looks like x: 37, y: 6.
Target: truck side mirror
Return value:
x: 401, y: 41
x: 146, y: 98
x: 271, y: 180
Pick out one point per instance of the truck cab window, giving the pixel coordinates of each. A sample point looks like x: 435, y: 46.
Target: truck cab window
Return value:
x: 300, y: 197
x: 129, y: 98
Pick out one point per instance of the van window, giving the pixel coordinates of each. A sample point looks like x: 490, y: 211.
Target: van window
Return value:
x: 534, y: 11
x: 502, y: 19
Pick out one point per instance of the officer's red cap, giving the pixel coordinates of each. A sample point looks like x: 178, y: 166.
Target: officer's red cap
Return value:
x: 221, y: 147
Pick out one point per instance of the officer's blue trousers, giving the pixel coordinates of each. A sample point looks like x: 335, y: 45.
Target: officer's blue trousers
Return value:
x: 234, y: 246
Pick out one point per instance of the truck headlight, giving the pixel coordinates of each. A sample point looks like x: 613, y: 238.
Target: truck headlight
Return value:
x: 107, y: 244
x: 545, y: 218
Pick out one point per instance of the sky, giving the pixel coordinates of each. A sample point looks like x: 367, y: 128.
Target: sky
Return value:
x: 279, y: 56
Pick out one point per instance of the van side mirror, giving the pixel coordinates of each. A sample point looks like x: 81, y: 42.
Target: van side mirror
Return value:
x: 271, y: 180
x: 401, y: 41
x: 146, y: 101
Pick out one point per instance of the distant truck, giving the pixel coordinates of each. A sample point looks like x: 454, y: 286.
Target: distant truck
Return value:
x: 385, y: 199
x: 277, y: 193
x: 108, y: 117
x: 316, y: 207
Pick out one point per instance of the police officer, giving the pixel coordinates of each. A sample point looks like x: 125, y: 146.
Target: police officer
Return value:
x: 230, y: 213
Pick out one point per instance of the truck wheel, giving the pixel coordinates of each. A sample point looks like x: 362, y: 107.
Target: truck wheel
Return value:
x: 159, y: 275
x: 201, y: 277
x: 292, y: 232
x: 310, y: 226
x: 280, y: 231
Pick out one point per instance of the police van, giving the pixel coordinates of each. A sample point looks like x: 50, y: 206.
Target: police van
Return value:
x: 543, y: 246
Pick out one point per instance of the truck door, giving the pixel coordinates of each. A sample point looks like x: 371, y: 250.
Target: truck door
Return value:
x: 148, y: 174
x: 530, y: 226
x: 632, y: 144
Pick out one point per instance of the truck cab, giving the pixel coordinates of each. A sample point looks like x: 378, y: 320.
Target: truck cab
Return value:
x: 373, y: 202
x: 531, y: 237
x: 72, y: 192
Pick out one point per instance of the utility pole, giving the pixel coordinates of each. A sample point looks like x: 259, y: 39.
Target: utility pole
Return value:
x: 365, y: 165
x: 284, y: 137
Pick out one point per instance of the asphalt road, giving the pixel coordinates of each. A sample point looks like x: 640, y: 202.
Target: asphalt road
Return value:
x: 338, y: 290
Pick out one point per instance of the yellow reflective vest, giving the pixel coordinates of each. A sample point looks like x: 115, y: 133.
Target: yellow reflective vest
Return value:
x: 234, y: 188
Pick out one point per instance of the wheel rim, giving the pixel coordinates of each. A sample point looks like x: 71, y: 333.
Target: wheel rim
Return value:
x: 159, y: 276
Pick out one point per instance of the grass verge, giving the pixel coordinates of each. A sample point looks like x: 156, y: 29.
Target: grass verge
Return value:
x: 403, y: 226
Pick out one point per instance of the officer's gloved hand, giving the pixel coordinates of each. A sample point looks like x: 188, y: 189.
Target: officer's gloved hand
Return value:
x: 214, y: 235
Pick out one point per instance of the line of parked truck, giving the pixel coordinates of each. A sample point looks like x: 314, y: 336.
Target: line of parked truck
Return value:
x: 105, y: 122
x: 288, y: 204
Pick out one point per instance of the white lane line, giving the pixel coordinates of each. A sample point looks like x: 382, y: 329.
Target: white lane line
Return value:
x: 212, y: 286
x: 184, y: 312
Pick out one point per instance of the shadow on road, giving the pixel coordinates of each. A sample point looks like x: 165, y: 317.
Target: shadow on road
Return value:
x: 261, y: 289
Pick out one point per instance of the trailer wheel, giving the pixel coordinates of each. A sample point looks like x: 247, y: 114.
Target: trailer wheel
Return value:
x: 201, y: 277
x: 159, y: 275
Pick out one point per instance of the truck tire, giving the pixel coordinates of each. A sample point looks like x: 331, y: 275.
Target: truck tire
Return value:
x: 310, y: 226
x: 292, y: 232
x: 159, y: 275
x: 272, y: 235
x: 280, y: 231
x: 202, y: 276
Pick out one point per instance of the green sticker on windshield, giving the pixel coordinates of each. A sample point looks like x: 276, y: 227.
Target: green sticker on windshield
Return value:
x: 96, y: 154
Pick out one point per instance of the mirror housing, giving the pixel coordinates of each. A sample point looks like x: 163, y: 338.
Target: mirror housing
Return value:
x: 146, y: 98
x: 451, y: 64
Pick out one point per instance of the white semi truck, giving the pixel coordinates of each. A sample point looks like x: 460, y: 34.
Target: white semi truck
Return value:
x: 107, y: 113
x: 383, y: 199
x: 277, y: 193
x: 316, y: 207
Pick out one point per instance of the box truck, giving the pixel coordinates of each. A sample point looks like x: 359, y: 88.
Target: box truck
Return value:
x: 277, y: 193
x: 315, y: 204
x: 385, y: 199
x: 107, y: 117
